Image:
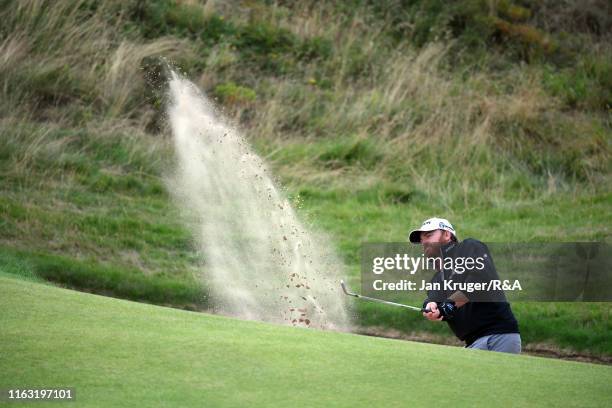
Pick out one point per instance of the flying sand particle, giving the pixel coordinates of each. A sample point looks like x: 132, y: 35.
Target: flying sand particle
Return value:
x: 233, y: 204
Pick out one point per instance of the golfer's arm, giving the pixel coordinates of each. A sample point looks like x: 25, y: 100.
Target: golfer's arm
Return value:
x: 473, y: 275
x: 459, y: 298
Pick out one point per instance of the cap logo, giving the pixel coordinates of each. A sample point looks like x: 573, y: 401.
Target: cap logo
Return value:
x: 443, y: 225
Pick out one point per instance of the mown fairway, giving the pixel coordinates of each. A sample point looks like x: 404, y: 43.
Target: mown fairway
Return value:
x: 121, y: 353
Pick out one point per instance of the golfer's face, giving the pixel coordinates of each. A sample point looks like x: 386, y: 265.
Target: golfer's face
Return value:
x: 431, y: 241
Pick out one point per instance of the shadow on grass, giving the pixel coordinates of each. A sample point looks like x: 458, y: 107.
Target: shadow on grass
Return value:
x: 108, y: 280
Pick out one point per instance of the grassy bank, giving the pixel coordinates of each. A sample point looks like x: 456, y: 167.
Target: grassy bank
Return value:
x: 150, y: 355
x: 373, y: 116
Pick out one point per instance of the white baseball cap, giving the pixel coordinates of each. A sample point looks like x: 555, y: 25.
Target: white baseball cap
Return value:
x: 431, y: 224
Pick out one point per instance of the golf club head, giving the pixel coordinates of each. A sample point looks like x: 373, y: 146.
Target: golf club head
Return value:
x: 346, y: 292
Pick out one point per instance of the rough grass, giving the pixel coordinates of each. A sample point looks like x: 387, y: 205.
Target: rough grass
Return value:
x: 369, y: 123
x: 149, y: 356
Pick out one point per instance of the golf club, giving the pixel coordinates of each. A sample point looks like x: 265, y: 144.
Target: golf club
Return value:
x: 345, y: 290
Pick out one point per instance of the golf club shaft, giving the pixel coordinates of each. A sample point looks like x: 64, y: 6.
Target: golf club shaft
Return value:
x: 389, y: 303
x: 418, y: 309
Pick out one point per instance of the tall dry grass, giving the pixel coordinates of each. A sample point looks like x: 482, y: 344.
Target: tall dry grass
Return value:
x: 60, y: 54
x: 64, y: 67
x: 456, y: 136
x: 475, y: 138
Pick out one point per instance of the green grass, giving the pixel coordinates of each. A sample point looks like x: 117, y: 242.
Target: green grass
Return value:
x: 372, y: 115
x: 584, y: 327
x: 562, y: 327
x: 120, y: 353
x: 110, y: 228
x: 92, y: 276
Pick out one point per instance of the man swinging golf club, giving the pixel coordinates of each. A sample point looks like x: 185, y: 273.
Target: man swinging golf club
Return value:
x: 485, y: 325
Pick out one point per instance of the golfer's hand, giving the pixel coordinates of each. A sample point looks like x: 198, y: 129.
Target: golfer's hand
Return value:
x: 434, y: 315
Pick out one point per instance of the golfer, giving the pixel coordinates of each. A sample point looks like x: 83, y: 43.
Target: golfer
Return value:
x: 483, y: 320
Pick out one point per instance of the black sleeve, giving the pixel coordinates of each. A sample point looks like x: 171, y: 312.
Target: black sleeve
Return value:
x: 435, y: 295
x: 482, y: 272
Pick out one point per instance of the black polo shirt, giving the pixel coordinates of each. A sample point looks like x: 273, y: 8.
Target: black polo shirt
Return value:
x: 476, y: 318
